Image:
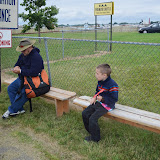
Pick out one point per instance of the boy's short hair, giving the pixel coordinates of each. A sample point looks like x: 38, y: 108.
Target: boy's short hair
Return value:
x: 105, y: 69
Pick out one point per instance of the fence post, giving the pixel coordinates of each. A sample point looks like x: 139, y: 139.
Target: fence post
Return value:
x: 108, y: 37
x: 49, y: 72
x: 62, y: 44
x: 0, y: 70
x: 96, y: 33
x: 111, y: 35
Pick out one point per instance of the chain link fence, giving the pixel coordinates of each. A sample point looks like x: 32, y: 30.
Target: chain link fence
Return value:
x: 72, y: 62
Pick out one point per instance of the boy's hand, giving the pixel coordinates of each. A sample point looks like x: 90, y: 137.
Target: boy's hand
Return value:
x: 93, y: 100
x: 99, y: 98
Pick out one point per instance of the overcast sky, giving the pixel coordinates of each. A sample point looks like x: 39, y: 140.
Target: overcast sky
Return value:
x: 82, y: 11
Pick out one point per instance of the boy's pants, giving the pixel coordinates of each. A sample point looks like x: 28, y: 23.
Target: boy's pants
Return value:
x: 90, y: 119
x: 17, y: 100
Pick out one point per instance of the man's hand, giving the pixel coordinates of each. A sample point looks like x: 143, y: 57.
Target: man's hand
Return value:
x: 16, y: 70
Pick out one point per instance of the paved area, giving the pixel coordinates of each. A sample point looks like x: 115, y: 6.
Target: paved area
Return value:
x: 11, y: 148
x: 13, y: 153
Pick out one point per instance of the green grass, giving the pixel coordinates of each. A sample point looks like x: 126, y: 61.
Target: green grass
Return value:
x: 102, y: 35
x: 119, y: 141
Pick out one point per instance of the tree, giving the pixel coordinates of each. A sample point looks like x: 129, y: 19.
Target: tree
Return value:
x: 38, y: 15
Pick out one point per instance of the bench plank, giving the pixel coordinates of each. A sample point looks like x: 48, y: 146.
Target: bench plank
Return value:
x: 61, y: 98
x: 152, y: 129
x: 124, y: 114
x: 139, y: 111
x: 69, y: 93
x: 84, y: 101
x: 134, y: 117
x: 56, y: 95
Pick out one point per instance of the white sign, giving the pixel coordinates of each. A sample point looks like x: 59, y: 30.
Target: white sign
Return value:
x: 9, y: 14
x: 5, y: 38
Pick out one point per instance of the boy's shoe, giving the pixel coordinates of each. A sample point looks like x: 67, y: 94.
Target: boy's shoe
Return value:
x: 19, y: 112
x: 89, y: 139
x: 6, y: 114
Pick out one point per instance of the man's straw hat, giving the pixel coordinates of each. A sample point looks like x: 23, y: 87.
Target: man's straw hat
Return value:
x: 24, y: 44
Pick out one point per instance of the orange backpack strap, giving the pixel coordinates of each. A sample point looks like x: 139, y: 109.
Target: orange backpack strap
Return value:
x: 98, y: 93
x: 30, y: 103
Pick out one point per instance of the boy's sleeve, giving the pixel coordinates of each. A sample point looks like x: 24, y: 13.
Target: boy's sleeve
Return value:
x: 112, y: 96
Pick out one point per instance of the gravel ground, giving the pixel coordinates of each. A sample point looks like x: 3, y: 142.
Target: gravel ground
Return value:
x: 13, y: 146
x: 12, y: 149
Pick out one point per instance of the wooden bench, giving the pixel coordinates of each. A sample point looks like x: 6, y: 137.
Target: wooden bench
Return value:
x: 60, y: 96
x: 124, y: 114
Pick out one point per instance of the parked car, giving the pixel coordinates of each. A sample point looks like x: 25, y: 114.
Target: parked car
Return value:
x: 153, y: 28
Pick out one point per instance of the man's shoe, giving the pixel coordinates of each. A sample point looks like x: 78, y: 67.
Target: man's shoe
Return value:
x: 6, y: 114
x: 19, y: 112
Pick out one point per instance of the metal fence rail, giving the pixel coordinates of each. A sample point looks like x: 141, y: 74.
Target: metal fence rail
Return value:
x: 72, y: 62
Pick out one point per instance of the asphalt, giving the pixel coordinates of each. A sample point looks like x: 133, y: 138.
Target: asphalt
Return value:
x: 11, y: 148
x: 13, y: 153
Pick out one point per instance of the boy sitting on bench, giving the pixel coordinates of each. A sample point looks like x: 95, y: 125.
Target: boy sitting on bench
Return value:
x: 103, y: 101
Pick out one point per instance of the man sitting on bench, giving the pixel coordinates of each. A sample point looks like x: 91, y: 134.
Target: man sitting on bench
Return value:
x: 29, y: 63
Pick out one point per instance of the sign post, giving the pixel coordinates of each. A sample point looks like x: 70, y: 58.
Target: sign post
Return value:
x: 5, y: 42
x: 0, y: 70
x: 8, y: 21
x: 95, y: 33
x: 106, y: 8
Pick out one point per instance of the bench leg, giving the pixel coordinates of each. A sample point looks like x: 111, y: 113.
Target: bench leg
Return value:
x: 61, y: 106
x: 66, y: 106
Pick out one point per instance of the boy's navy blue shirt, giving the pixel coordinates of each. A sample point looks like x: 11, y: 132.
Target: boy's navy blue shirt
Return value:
x: 32, y: 64
x: 110, y: 93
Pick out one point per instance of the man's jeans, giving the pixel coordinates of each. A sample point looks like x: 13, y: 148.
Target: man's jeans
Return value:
x: 17, y: 100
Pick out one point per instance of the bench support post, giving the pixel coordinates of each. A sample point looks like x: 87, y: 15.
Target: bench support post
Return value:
x: 66, y: 106
x: 61, y: 106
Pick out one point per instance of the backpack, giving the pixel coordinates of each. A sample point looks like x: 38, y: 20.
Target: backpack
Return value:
x: 36, y: 86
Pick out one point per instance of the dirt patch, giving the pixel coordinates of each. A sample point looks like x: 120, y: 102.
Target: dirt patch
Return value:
x: 97, y: 54
x: 12, y: 149
x: 15, y: 146
x: 5, y: 76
